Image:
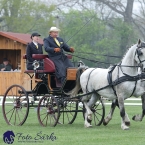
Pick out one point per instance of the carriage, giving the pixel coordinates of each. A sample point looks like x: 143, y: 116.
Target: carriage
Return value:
x: 51, y: 99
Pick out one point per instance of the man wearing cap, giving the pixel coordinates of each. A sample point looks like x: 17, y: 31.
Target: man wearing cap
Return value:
x: 5, y: 66
x: 55, y: 45
x: 33, y: 48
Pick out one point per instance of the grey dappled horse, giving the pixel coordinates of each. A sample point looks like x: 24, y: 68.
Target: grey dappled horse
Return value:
x: 132, y: 64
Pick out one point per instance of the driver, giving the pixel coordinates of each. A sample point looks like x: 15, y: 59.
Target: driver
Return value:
x: 55, y: 45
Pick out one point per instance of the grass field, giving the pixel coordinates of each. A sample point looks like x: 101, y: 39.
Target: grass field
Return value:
x: 76, y: 134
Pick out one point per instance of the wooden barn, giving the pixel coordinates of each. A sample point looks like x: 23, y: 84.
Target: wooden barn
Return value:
x: 13, y: 47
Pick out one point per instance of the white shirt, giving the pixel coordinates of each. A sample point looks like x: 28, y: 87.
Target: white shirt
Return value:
x: 35, y: 43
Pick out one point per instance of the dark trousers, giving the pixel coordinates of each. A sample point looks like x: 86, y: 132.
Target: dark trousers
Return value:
x: 61, y: 65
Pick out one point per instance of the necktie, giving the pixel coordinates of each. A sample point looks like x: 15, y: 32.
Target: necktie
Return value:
x: 37, y: 46
x: 57, y: 42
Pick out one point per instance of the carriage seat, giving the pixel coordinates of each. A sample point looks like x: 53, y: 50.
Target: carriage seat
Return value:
x: 49, y: 66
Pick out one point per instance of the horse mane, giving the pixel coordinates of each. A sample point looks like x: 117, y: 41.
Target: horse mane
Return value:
x: 126, y: 52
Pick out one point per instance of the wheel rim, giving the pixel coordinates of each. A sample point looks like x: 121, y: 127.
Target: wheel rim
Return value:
x: 68, y: 110
x: 98, y: 113
x: 48, y: 111
x: 15, y: 105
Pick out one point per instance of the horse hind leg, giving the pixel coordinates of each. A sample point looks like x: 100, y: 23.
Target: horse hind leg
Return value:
x: 139, y: 117
x: 91, y: 102
x: 109, y: 116
x: 88, y: 114
x: 87, y: 111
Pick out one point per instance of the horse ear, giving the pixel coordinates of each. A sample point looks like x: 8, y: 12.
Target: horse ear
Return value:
x: 139, y: 42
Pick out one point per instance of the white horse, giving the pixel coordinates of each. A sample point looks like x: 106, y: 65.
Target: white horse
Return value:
x: 96, y: 78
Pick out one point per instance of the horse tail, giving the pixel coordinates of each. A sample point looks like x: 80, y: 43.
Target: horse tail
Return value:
x: 77, y: 87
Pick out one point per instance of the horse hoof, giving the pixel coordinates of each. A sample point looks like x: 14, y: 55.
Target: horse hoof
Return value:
x: 124, y: 127
x: 137, y: 117
x: 104, y: 123
x: 88, y: 126
x: 127, y: 123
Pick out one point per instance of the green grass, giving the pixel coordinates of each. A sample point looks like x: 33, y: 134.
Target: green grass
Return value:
x: 76, y: 134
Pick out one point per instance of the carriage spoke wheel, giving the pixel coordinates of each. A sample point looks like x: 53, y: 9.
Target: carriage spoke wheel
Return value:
x: 98, y: 113
x: 15, y: 105
x: 68, y: 110
x: 48, y: 111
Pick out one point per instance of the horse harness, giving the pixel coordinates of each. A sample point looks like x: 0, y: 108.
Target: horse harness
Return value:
x: 121, y: 80
x: 124, y: 78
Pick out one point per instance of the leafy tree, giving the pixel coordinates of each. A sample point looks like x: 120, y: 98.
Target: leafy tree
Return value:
x: 95, y: 37
x: 25, y: 16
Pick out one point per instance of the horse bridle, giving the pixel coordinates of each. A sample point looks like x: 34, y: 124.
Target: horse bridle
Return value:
x: 139, y: 53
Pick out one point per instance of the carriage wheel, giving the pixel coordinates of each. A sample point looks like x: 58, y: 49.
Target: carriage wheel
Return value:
x: 98, y: 113
x: 48, y: 111
x: 15, y: 105
x: 68, y: 110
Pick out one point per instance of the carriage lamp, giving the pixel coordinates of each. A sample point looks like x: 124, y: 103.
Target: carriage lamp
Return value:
x: 36, y: 64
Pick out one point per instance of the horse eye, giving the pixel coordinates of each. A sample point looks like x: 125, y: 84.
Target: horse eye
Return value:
x: 139, y: 52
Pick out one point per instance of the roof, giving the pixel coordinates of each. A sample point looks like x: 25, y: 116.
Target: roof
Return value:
x: 19, y: 37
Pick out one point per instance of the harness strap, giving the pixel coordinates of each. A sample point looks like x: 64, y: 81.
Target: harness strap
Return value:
x: 88, y: 80
x: 134, y: 89
x: 116, y: 82
x: 109, y: 77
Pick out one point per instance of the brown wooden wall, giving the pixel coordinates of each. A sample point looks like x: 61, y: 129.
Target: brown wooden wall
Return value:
x: 7, y: 79
x: 10, y: 78
x: 13, y: 51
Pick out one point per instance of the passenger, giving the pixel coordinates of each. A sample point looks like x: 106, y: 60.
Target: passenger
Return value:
x: 5, y: 66
x: 34, y: 48
x: 55, y: 45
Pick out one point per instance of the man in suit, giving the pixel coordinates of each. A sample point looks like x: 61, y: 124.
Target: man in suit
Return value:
x: 33, y: 48
x: 55, y: 45
x: 5, y: 66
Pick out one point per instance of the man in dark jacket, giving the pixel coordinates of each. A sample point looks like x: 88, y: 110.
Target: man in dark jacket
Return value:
x: 55, y: 45
x: 5, y: 66
x: 33, y: 48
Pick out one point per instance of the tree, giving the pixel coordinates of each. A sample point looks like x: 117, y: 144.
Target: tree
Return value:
x: 25, y: 16
x: 109, y: 11
x: 95, y: 36
x: 139, y: 20
x: 126, y: 12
